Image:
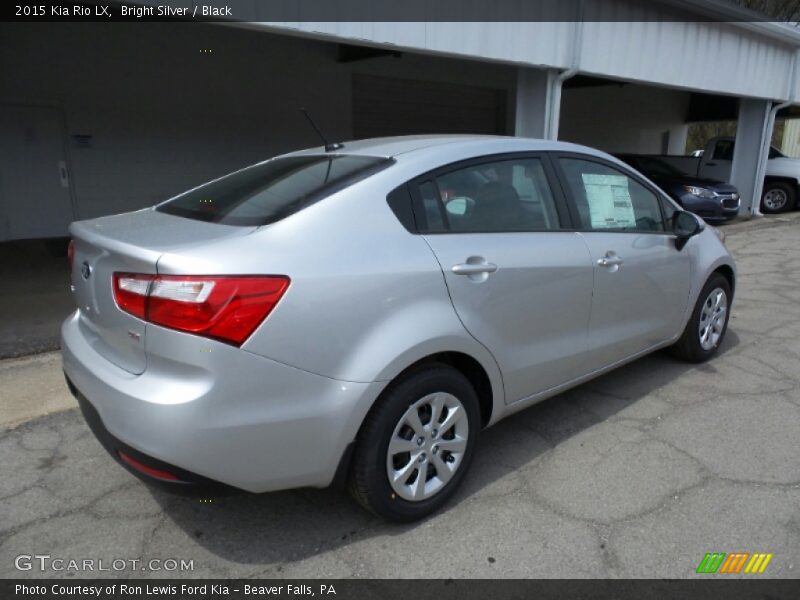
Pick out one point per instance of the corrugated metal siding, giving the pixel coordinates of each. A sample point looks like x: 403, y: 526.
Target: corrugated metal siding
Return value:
x: 546, y: 44
x: 717, y: 57
x: 728, y: 58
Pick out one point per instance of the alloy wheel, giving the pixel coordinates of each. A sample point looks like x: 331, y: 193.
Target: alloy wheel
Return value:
x: 427, y: 446
x: 712, y: 318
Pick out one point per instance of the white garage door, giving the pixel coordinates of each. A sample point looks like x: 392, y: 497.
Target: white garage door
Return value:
x: 385, y: 106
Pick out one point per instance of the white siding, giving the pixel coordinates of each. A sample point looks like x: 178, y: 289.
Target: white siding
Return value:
x: 743, y: 59
x: 715, y: 57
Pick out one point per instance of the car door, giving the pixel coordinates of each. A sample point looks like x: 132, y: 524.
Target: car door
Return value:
x: 641, y: 280
x: 519, y: 280
x: 718, y: 164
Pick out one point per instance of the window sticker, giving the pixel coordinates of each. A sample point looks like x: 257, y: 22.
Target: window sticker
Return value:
x: 609, y: 198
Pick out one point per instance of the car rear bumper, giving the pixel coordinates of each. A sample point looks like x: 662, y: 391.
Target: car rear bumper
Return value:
x: 209, y: 412
x: 151, y: 470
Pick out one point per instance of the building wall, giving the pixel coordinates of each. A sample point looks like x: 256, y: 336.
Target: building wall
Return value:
x: 164, y: 116
x: 654, y: 42
x: 625, y: 118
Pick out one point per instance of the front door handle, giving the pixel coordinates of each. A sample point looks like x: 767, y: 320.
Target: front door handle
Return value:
x: 610, y: 260
x: 474, y: 268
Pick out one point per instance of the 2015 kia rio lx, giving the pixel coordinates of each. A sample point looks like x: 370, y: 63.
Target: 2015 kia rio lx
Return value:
x: 361, y: 313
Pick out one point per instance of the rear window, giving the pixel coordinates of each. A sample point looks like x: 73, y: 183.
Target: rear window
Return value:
x: 270, y: 191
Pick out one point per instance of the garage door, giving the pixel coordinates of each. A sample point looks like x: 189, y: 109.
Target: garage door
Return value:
x: 35, y: 199
x: 385, y: 106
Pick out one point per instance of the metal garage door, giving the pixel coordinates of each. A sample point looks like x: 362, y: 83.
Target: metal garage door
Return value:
x: 387, y: 106
x: 35, y: 199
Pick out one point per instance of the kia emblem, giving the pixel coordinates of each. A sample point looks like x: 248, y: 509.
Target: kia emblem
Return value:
x: 86, y: 270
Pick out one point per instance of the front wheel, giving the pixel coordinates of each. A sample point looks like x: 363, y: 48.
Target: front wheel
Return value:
x: 709, y: 321
x: 416, y: 444
x: 777, y: 197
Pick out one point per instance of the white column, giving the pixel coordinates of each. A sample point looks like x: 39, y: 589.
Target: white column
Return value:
x: 532, y: 114
x: 677, y: 139
x: 747, y: 171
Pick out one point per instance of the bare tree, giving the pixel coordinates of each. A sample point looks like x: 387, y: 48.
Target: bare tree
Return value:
x: 787, y: 11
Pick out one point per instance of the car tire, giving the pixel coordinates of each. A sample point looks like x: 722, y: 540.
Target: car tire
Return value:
x: 434, y: 387
x: 777, y: 197
x: 707, y: 326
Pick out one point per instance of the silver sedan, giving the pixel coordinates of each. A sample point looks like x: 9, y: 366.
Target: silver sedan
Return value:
x: 360, y: 314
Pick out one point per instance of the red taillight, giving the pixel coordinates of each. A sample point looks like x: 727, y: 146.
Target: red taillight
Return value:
x: 143, y: 468
x: 130, y: 292
x: 71, y: 254
x: 228, y: 308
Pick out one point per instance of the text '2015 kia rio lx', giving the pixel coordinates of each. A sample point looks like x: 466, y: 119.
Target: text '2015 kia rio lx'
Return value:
x: 363, y: 313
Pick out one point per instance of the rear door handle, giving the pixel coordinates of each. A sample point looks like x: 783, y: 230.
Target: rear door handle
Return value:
x: 610, y: 260
x: 474, y: 269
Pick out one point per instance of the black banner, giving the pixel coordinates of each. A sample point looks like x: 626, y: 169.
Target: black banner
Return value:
x: 714, y: 587
x: 378, y: 11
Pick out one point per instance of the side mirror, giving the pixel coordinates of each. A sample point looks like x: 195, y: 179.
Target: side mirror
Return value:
x: 685, y: 225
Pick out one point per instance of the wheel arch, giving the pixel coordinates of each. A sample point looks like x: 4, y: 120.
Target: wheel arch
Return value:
x: 485, y: 383
x: 728, y: 273
x: 781, y: 179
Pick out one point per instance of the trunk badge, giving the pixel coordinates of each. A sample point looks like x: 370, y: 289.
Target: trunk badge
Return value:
x: 86, y: 270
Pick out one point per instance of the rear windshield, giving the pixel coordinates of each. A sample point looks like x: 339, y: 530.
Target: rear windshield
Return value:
x: 270, y: 191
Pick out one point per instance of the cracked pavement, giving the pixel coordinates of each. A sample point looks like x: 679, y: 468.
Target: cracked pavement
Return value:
x: 636, y: 474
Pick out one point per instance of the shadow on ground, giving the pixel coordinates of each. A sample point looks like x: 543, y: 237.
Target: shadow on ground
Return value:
x: 295, y: 525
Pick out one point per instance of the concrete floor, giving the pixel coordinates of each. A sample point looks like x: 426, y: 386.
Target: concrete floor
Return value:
x: 35, y: 298
x: 636, y: 474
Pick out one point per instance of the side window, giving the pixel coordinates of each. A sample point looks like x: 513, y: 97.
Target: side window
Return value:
x: 430, y: 207
x: 723, y: 150
x: 499, y: 196
x: 609, y: 199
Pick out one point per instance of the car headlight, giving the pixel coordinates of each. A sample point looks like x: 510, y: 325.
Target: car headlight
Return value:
x: 718, y: 233
x: 700, y: 192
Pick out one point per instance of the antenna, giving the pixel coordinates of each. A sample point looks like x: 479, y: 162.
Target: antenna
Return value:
x: 328, y: 146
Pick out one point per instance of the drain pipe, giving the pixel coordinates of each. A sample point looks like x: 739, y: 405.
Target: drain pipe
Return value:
x: 766, y: 139
x: 555, y: 93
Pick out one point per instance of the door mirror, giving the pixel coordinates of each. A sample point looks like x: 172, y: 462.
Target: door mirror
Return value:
x: 685, y: 225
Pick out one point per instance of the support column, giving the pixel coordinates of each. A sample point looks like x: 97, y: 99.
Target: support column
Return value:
x: 532, y: 113
x: 747, y: 170
x: 677, y: 139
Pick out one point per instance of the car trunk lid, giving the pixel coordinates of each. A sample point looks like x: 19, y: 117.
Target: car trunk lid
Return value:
x: 127, y: 243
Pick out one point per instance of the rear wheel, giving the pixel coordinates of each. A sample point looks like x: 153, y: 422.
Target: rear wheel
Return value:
x: 778, y: 196
x: 709, y: 321
x: 416, y: 444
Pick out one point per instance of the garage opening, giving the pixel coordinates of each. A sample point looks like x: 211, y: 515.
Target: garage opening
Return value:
x: 385, y: 106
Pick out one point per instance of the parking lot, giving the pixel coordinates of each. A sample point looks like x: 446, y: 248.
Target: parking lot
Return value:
x: 636, y: 474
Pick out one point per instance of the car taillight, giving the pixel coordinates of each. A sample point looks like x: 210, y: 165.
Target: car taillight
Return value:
x: 130, y: 292
x: 71, y: 254
x: 227, y: 308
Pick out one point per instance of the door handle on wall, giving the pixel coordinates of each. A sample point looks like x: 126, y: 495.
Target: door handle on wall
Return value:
x: 63, y: 173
